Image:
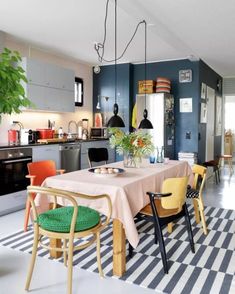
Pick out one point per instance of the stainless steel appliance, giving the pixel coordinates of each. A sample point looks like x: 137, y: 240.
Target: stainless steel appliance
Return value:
x: 97, y: 133
x: 70, y: 156
x: 160, y: 108
x: 13, y: 183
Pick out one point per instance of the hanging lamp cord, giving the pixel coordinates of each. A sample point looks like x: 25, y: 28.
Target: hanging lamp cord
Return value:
x: 100, y: 47
x: 145, y: 60
x: 115, y: 51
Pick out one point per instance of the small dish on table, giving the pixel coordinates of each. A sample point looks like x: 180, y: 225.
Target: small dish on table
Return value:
x: 108, y: 172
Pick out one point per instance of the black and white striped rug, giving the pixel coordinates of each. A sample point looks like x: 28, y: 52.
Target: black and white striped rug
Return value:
x: 210, y: 270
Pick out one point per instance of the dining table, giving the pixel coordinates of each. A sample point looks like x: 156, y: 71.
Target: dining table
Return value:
x: 127, y: 191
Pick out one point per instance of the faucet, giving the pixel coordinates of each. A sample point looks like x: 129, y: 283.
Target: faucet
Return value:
x: 18, y: 123
x: 69, y: 127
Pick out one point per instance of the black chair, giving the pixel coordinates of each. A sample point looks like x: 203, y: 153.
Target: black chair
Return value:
x: 164, y: 208
x: 97, y: 155
x: 215, y: 164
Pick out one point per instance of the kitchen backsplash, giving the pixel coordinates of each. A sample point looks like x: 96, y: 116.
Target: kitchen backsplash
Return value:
x: 34, y: 120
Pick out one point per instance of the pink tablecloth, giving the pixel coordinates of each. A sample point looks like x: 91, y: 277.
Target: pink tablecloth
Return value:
x: 127, y: 191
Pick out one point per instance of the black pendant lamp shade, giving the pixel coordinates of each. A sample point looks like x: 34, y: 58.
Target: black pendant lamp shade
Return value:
x: 145, y: 123
x: 115, y: 121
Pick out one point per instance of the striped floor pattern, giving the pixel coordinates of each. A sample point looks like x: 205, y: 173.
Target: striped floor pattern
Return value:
x: 210, y: 270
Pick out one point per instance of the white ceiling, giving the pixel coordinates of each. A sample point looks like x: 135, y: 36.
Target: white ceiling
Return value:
x: 180, y: 28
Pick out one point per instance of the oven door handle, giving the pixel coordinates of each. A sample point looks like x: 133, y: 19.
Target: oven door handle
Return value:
x: 29, y: 159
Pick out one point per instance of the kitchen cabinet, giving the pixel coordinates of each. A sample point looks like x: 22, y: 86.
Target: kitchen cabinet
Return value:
x: 49, y: 87
x: 95, y: 144
x: 47, y: 152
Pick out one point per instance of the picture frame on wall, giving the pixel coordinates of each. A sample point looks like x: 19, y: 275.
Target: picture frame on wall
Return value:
x: 203, y: 91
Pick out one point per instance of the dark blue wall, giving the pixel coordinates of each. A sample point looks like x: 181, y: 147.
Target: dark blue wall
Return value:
x: 185, y: 122
x: 128, y: 77
x: 103, y: 84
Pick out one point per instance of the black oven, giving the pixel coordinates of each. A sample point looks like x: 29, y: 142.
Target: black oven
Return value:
x: 13, y: 169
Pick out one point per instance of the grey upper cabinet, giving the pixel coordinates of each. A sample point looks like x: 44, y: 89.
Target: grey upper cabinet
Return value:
x: 49, y: 87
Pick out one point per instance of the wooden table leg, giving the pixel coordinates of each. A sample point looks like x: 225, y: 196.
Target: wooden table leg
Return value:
x: 119, y: 249
x: 55, y: 243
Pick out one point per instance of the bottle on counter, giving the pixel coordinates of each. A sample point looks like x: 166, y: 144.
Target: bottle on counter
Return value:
x: 60, y: 133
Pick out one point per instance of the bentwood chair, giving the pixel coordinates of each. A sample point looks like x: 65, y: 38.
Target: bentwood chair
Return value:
x: 195, y: 193
x: 165, y: 207
x: 38, y: 172
x: 67, y: 223
x: 97, y: 155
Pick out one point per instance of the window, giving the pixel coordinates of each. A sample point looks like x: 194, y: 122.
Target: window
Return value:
x: 78, y: 91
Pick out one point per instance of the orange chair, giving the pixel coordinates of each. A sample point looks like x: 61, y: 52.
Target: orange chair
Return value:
x: 38, y: 172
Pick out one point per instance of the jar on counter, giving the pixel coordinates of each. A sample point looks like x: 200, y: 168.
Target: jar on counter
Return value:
x: 60, y: 133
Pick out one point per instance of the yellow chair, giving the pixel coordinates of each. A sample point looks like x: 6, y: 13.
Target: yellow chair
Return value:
x: 66, y: 223
x: 164, y: 208
x: 195, y: 193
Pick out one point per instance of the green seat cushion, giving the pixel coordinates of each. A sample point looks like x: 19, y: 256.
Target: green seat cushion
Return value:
x: 59, y: 219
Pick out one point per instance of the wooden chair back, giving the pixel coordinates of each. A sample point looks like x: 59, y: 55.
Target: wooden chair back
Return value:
x: 41, y: 170
x: 177, y: 187
x: 199, y: 172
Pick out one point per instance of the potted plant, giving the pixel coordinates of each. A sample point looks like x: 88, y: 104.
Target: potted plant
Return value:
x: 12, y: 76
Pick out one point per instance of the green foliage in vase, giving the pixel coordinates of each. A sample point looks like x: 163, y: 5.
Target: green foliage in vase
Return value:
x: 12, y: 75
x: 138, y: 143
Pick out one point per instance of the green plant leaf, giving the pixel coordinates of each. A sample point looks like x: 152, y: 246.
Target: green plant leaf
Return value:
x: 12, y: 76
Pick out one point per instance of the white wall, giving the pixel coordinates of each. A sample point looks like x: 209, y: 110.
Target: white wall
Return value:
x: 35, y: 120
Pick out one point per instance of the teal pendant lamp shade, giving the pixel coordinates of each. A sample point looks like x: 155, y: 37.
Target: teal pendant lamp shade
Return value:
x: 145, y: 123
x: 115, y: 121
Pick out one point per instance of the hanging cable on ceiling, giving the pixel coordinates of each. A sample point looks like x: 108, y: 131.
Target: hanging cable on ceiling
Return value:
x: 145, y: 123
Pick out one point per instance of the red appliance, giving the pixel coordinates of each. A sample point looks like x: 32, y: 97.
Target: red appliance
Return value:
x: 46, y: 133
x: 13, y: 137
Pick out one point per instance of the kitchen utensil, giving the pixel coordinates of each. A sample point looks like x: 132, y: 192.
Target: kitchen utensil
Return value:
x: 45, y: 133
x: 13, y: 137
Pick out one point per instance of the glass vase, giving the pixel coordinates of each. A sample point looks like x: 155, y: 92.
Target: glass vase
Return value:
x: 130, y: 160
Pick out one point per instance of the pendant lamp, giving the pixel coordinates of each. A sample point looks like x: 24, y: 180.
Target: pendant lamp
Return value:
x: 115, y: 121
x: 145, y: 123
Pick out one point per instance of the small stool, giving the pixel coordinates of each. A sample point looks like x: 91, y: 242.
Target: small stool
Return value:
x: 229, y: 159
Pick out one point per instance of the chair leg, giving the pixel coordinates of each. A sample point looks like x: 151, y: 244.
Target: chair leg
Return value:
x: 65, y: 252
x: 33, y: 258
x: 130, y: 249
x: 170, y: 228
x: 98, y: 255
x: 189, y: 228
x: 155, y: 236
x: 218, y: 170
x: 26, y: 215
x: 216, y: 176
x: 201, y: 209
x: 197, y: 217
x: 70, y: 266
x: 161, y: 244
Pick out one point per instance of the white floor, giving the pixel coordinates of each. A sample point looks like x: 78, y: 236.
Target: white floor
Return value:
x: 50, y: 277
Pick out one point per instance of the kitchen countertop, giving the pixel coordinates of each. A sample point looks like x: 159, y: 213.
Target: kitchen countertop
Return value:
x: 6, y: 145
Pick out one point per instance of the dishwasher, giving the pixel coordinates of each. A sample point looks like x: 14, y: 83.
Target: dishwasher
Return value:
x: 70, y: 156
